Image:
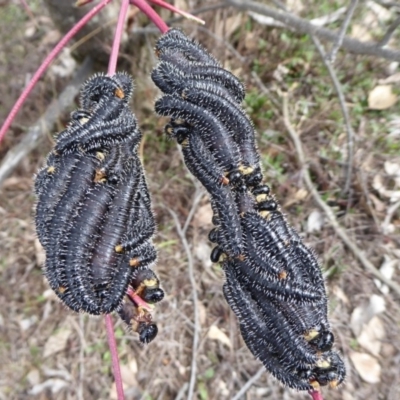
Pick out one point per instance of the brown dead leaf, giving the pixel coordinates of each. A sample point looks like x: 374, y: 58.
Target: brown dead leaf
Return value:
x: 57, y: 342
x: 367, y: 367
x: 381, y: 97
x: 371, y: 336
x: 203, y: 216
x: 361, y: 33
x: 215, y: 333
x: 39, y: 253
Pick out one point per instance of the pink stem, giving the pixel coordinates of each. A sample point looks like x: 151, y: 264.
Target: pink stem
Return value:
x: 138, y: 300
x: 172, y: 8
x: 112, y: 64
x: 153, y: 16
x: 27, y: 9
x: 61, y: 44
x: 316, y: 394
x: 114, y: 356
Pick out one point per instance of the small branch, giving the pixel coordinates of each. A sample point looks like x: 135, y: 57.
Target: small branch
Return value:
x: 151, y: 14
x: 114, y: 356
x: 338, y: 44
x: 303, y: 26
x: 112, y: 64
x: 196, y: 334
x: 45, y: 123
x: 53, y: 54
x: 345, y: 112
x: 392, y: 28
x: 389, y: 215
x: 341, y: 232
x: 249, y: 384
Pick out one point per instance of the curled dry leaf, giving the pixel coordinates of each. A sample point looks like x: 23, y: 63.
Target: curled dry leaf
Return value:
x: 372, y: 335
x: 381, y: 97
x: 387, y: 270
x: 363, y: 314
x: 367, y: 367
x: 215, y: 333
x: 57, y: 342
x: 203, y: 216
x: 55, y: 385
x: 315, y: 221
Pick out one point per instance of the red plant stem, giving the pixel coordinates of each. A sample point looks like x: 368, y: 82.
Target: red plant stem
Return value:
x: 153, y: 16
x: 172, y: 8
x: 114, y: 356
x: 315, y: 394
x: 112, y: 64
x: 61, y: 44
x: 138, y: 300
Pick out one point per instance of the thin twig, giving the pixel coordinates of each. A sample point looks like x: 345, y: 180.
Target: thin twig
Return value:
x: 196, y: 333
x: 392, y: 28
x: 303, y: 26
x: 338, y: 44
x: 341, y: 232
x: 45, y: 123
x: 249, y: 384
x: 390, y: 212
x: 345, y: 112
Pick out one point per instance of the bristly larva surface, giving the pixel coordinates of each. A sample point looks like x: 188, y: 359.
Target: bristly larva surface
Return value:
x: 273, y: 281
x: 93, y: 215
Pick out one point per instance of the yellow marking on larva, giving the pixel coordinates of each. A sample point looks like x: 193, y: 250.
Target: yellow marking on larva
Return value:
x: 150, y: 282
x: 118, y: 248
x: 100, y: 156
x: 245, y: 170
x: 323, y: 364
x: 134, y: 262
x: 225, y: 181
x: 185, y: 143
x: 310, y: 335
x: 51, y: 169
x: 265, y: 214
x: 315, y: 385
x: 83, y: 120
x: 170, y: 130
x: 184, y: 95
x: 179, y: 121
x: 61, y: 289
x: 282, y: 275
x: 261, y: 197
x: 241, y: 257
x: 100, y: 176
x: 334, y: 384
x: 119, y: 93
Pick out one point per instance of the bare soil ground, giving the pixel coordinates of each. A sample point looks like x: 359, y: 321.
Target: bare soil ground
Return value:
x: 47, y: 352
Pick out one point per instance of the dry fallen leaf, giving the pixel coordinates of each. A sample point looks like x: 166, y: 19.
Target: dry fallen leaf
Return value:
x: 381, y: 97
x: 57, y: 342
x: 203, y: 216
x: 55, y: 385
x: 215, y: 333
x: 367, y: 367
x: 387, y: 270
x: 363, y: 314
x: 202, y: 252
x: 371, y: 336
x: 315, y: 221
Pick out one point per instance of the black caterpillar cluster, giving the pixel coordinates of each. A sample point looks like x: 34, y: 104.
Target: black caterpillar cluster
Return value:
x: 93, y: 215
x: 273, y: 282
